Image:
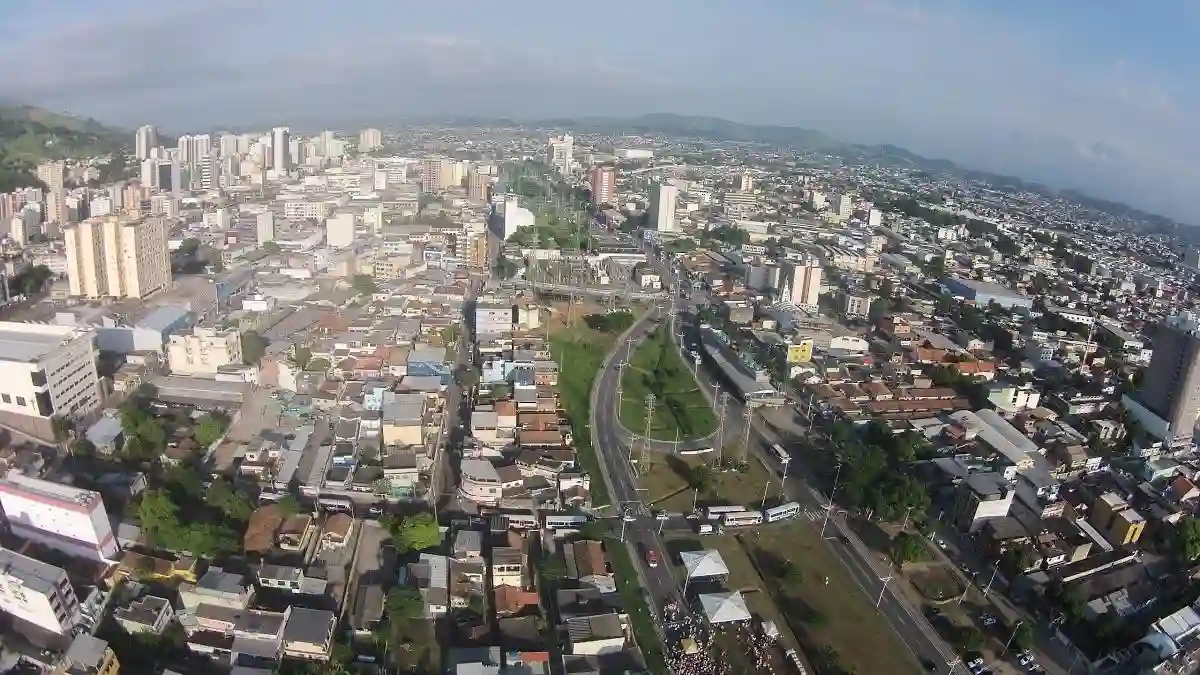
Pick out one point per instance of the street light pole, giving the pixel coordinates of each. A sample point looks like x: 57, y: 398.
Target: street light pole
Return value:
x: 1016, y: 626
x: 829, y: 506
x: 988, y: 588
x: 879, y: 600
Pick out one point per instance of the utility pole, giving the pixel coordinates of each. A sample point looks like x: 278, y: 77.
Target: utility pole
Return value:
x: 832, y: 491
x: 721, y: 428
x: 747, y: 418
x: 644, y: 458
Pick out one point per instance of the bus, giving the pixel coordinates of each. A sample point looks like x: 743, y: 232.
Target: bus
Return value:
x: 562, y: 521
x: 782, y: 512
x: 742, y: 518
x: 336, y: 505
x: 780, y: 453
x: 715, y: 512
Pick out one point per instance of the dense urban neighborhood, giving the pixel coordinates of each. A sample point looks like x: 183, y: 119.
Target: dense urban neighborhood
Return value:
x: 529, y: 401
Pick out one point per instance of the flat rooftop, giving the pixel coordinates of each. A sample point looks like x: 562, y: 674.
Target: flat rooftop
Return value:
x: 18, y: 483
x: 28, y: 342
x: 34, y: 574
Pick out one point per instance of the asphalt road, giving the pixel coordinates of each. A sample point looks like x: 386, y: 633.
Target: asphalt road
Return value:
x: 869, y: 574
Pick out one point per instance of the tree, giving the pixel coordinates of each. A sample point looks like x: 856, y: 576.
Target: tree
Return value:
x: 271, y: 247
x: 907, y: 548
x: 699, y: 477
x: 211, y: 427
x: 288, y: 506
x: 62, y: 427
x: 364, y: 284
x: 145, y: 392
x: 1189, y: 538
x: 416, y: 533
x: 301, y: 355
x: 82, y: 447
x: 190, y: 247
x: 254, y: 347
x: 552, y: 569
x: 404, y: 602
x: 224, y: 496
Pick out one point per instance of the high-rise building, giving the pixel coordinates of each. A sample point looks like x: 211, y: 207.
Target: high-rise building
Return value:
x: 265, y: 226
x: 1171, y: 384
x: 560, y: 153
x: 186, y: 156
x: 874, y: 218
x: 747, y: 182
x: 61, y: 517
x: 339, y: 230
x: 53, y: 174
x: 477, y: 186
x: 802, y: 285
x: 370, y: 139
x: 117, y: 257
x: 281, y: 159
x: 436, y: 174
x: 662, y: 207
x: 201, y: 145
x: 37, y: 593
x: 843, y: 205
x: 604, y: 185
x: 204, y: 352
x: 145, y: 140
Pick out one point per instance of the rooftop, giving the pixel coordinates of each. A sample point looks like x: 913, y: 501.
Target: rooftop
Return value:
x: 34, y: 574
x: 17, y: 483
x: 28, y: 342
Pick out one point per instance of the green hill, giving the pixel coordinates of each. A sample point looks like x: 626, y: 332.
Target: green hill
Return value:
x: 29, y: 135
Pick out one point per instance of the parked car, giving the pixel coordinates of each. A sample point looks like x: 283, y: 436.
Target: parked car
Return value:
x: 652, y: 557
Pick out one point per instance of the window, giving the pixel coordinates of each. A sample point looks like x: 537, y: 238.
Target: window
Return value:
x: 6, y: 398
x: 21, y: 401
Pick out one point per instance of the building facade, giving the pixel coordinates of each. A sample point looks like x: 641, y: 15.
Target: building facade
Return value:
x: 46, y: 371
x: 38, y: 593
x: 114, y: 257
x: 61, y: 517
x: 204, y: 352
x: 604, y: 185
x: 662, y: 207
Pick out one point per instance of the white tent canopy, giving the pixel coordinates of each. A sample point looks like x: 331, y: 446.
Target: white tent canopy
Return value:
x: 724, y: 607
x: 704, y: 564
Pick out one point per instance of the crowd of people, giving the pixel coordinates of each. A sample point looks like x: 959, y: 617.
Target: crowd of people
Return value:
x: 692, y: 650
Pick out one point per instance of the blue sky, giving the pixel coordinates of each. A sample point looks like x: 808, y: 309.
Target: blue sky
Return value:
x: 1094, y: 95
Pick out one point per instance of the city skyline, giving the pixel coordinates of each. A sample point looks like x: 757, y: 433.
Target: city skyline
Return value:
x: 1053, y: 98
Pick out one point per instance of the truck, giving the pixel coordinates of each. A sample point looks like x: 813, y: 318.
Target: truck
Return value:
x: 705, y: 528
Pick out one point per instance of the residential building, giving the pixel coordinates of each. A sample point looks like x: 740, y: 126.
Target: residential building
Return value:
x: 145, y: 140
x: 58, y: 516
x: 339, y: 230
x: 148, y: 614
x: 478, y: 185
x: 493, y: 317
x: 662, y: 207
x: 119, y: 257
x: 370, y: 139
x: 265, y: 227
x: 37, y: 593
x: 1113, y: 516
x: 46, y: 370
x: 981, y: 497
x: 747, y: 182
x: 308, y: 634
x: 88, y: 655
x: 204, y: 352
x: 604, y: 185
x: 281, y: 155
x: 854, y: 304
x: 52, y: 174
x: 436, y: 174
x: 802, y: 282
x: 1168, y: 402
x: 560, y: 153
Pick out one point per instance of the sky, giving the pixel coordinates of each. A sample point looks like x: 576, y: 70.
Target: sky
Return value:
x: 1074, y: 93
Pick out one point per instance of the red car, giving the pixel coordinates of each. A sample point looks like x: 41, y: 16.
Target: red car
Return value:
x: 652, y: 558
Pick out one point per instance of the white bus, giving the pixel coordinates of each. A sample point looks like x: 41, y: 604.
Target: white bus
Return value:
x: 715, y: 512
x: 780, y: 453
x: 336, y: 505
x: 562, y: 521
x: 742, y: 519
x: 782, y: 512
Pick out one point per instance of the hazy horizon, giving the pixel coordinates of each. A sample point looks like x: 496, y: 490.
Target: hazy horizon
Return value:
x: 1072, y: 95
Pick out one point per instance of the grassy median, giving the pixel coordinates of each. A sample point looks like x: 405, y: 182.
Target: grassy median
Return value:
x: 680, y: 409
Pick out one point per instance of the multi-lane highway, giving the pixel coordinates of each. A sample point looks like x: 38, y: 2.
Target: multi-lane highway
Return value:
x: 870, y: 574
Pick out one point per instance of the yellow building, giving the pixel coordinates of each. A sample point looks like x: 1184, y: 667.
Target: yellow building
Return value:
x: 88, y: 655
x: 800, y: 352
x: 1127, y: 527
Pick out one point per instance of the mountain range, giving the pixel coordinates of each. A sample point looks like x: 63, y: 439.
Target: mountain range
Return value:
x: 29, y: 135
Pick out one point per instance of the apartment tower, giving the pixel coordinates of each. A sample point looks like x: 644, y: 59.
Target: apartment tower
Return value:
x: 604, y: 185
x: 117, y: 257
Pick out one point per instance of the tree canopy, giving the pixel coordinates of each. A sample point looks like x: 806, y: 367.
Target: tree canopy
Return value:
x: 612, y: 322
x: 414, y: 533
x: 404, y: 602
x: 211, y: 427
x: 163, y: 527
x: 254, y: 347
x: 364, y: 284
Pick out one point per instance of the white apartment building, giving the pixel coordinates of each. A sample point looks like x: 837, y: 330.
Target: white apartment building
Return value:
x: 265, y: 227
x: 37, y: 593
x: 204, y: 351
x: 118, y: 257
x: 301, y: 209
x: 339, y: 230
x: 662, y: 207
x: 804, y: 284
x: 53, y: 174
x: 370, y: 139
x: 46, y: 370
x: 145, y: 140
x: 560, y: 153
x: 60, y: 517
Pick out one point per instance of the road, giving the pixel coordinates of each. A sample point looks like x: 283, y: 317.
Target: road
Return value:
x: 861, y: 565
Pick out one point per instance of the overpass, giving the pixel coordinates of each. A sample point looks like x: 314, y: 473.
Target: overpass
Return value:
x: 593, y: 291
